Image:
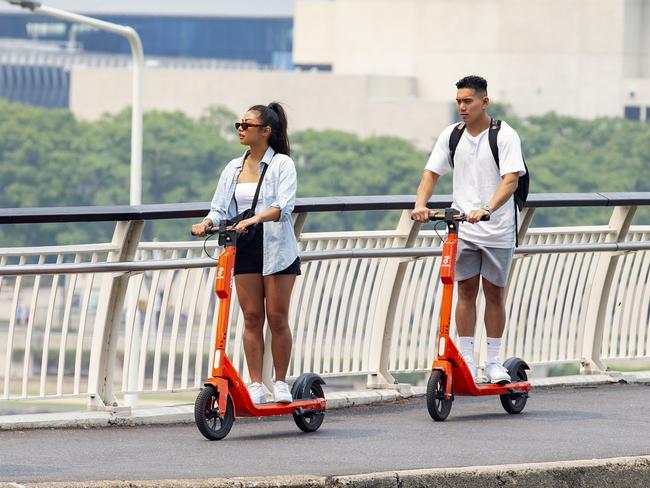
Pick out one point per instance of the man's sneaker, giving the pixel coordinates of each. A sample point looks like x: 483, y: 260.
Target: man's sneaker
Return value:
x: 281, y: 392
x: 496, y: 373
x: 259, y: 393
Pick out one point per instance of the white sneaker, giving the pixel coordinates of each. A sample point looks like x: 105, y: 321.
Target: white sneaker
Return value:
x: 472, y: 368
x: 496, y: 373
x: 259, y: 393
x: 281, y: 392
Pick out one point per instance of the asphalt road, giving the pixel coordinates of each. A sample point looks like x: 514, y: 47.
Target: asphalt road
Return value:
x: 557, y: 424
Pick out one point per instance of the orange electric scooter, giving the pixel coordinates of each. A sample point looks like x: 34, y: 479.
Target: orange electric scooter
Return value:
x: 450, y: 375
x: 224, y: 395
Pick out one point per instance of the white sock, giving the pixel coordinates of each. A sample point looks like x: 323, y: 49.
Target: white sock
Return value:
x: 493, y: 347
x: 467, y: 348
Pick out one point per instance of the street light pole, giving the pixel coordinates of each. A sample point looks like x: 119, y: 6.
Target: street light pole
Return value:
x: 135, y: 195
x: 135, y: 192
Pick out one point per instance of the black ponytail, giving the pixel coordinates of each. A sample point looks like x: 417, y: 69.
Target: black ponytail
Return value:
x: 274, y: 115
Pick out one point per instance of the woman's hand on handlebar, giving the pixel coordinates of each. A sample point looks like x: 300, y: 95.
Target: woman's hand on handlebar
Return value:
x: 241, y: 227
x: 420, y: 214
x: 199, y: 229
x: 477, y: 214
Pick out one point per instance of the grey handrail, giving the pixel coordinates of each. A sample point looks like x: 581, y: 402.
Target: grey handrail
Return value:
x: 314, y: 204
x: 398, y: 252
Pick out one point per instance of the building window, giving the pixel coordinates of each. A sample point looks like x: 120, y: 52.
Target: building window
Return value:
x: 313, y: 67
x: 633, y: 112
x: 258, y: 39
x: 647, y: 114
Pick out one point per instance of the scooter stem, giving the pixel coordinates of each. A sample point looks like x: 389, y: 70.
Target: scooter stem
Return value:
x: 447, y: 270
x: 223, y: 287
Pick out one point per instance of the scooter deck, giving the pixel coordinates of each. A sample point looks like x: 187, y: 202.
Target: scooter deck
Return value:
x: 491, y: 389
x: 271, y: 409
x: 463, y: 384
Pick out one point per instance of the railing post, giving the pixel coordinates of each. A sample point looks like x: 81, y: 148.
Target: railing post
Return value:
x: 299, y: 223
x: 126, y: 238
x: 389, y: 291
x: 597, y: 312
x: 525, y: 218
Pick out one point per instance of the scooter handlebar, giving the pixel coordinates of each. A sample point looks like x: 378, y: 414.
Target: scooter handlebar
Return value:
x: 208, y: 230
x: 460, y: 217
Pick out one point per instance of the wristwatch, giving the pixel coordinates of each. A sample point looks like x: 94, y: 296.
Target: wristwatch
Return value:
x: 487, y: 208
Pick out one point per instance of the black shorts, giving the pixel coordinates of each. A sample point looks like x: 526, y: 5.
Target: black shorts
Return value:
x: 250, y: 257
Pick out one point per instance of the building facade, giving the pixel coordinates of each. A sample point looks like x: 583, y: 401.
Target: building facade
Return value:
x: 360, y: 104
x: 365, y: 66
x: 585, y: 58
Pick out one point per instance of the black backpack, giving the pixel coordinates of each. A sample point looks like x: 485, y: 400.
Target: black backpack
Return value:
x: 521, y: 193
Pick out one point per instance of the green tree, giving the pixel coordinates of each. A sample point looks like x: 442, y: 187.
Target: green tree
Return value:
x: 332, y: 163
x: 49, y: 158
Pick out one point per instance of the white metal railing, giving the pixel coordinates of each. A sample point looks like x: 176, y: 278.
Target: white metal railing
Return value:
x: 131, y: 317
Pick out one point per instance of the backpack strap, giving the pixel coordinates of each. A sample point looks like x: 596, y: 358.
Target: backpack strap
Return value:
x: 495, y: 127
x: 454, y: 139
x: 457, y: 133
x: 516, y: 226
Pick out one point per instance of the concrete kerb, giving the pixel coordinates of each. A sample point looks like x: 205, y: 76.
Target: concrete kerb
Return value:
x: 623, y: 472
x: 335, y: 400
x: 615, y: 472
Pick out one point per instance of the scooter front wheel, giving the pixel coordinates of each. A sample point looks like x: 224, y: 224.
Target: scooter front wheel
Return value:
x: 515, y: 402
x: 438, y: 406
x: 308, y: 387
x: 206, y: 414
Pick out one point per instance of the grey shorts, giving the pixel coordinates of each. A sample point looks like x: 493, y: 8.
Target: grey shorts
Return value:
x: 492, y: 263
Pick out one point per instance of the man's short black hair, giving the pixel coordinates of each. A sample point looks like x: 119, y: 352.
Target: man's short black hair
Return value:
x: 476, y: 83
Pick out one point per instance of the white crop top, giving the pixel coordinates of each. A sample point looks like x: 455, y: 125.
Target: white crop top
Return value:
x: 244, y: 194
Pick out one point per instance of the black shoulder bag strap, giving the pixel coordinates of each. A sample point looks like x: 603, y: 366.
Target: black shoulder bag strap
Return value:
x: 454, y: 139
x: 259, y: 185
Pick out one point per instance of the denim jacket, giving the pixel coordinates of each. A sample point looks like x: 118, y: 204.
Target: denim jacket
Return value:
x: 278, y: 190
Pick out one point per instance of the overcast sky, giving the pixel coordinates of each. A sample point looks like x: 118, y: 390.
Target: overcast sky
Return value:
x: 230, y: 8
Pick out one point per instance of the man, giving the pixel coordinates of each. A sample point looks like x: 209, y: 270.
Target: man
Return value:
x: 480, y: 188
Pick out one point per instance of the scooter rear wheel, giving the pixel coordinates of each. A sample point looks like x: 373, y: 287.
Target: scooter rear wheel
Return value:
x: 308, y: 387
x: 206, y: 414
x: 438, y: 406
x: 515, y: 402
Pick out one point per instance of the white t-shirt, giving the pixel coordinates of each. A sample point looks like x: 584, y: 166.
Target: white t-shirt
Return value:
x: 476, y: 178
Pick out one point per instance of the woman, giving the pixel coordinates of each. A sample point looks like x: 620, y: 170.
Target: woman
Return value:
x: 266, y: 265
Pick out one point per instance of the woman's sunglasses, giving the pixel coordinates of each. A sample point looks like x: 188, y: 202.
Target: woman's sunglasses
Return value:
x: 246, y: 125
